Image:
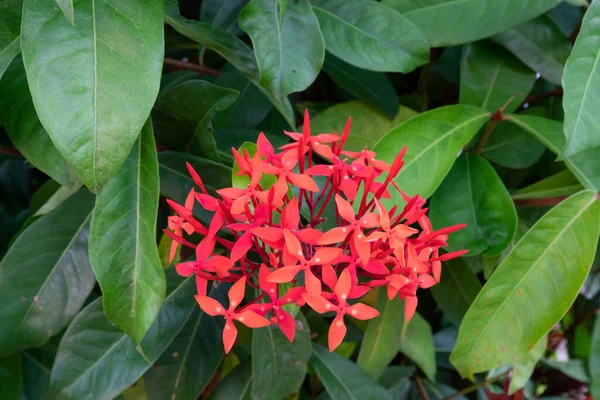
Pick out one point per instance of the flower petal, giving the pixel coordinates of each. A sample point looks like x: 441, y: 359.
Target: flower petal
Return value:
x: 252, y: 319
x: 205, y: 248
x: 326, y: 255
x: 292, y: 215
x: 362, y: 311
x: 287, y: 324
x: 426, y: 281
x: 309, y: 235
x: 410, y: 306
x: 335, y: 235
x: 329, y: 276
x: 210, y: 306
x: 343, y: 286
x: 186, y: 268
x: 271, y: 234
x: 229, y: 335
x: 269, y: 287
x: 369, y: 220
x: 303, y: 181
x: 319, y: 303
x: 313, y: 285
x: 241, y: 246
x: 345, y: 209
x: 201, y: 285
x: 337, y: 331
x: 285, y: 274
x: 236, y: 293
x: 293, y: 244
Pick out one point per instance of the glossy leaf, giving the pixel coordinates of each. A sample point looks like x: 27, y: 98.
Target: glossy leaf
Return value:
x: 573, y: 368
x: 95, y: 359
x: 531, y: 289
x: 344, y: 380
x: 523, y: 370
x: 236, y: 385
x: 594, y: 360
x: 371, y: 35
x: 381, y: 341
x: 123, y: 251
x: 229, y: 47
x: 67, y: 8
x: 250, y: 108
x: 373, y: 87
x: 457, y: 290
x: 417, y: 344
x: 286, y: 64
x: 93, y: 83
x: 45, y: 277
x: 272, y: 351
x: 541, y: 45
x: 10, y: 30
x: 36, y: 375
x: 474, y: 194
x: 447, y: 23
x: 367, y: 127
x: 11, y: 377
x: 433, y: 140
x: 585, y: 165
x: 490, y: 78
x: 183, y: 114
x: 23, y: 126
x: 581, y: 83
x: 185, y: 368
x: 563, y: 183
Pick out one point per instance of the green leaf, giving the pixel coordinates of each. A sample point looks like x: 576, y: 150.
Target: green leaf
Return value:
x: 512, y: 147
x: 286, y: 65
x: 185, y: 368
x: 417, y: 344
x: 541, y: 45
x: 23, y: 126
x: 368, y: 125
x: 491, y: 77
x: 523, y: 370
x: 271, y: 351
x: 123, y: 251
x: 581, y: 83
x: 450, y: 22
x: 457, y: 290
x: 573, y: 368
x: 183, y: 114
x: 230, y: 48
x: 67, y: 8
x: 250, y: 108
x: 10, y: 30
x: 344, y: 380
x: 97, y: 360
x: 236, y: 385
x: 45, y: 277
x: 11, y: 377
x: 373, y: 87
x: 37, y: 363
x: 474, y: 194
x: 563, y: 183
x: 531, y: 289
x: 371, y: 35
x: 57, y: 198
x: 93, y: 83
x: 594, y: 360
x: 396, y: 379
x: 585, y: 165
x: 381, y: 341
x: 433, y: 140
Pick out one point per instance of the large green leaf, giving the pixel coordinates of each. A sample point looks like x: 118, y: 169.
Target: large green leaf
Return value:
x: 229, y: 47
x: 286, y: 64
x: 396, y: 379
x: 541, y: 45
x: 236, y: 385
x: 272, y: 351
x: 585, y: 165
x: 45, y: 277
x: 123, y: 251
x: 417, y: 344
x: 93, y: 83
x: 457, y: 290
x: 490, y: 77
x: 371, y: 35
x: 22, y: 124
x: 531, y: 289
x: 433, y: 140
x: 594, y: 360
x: 523, y: 370
x: 474, y: 194
x: 581, y: 83
x: 344, y: 380
x: 572, y: 368
x: 381, y: 342
x: 250, y: 108
x: 11, y: 377
x: 37, y: 363
x: 563, y: 183
x: 185, y: 368
x: 10, y: 30
x: 450, y: 22
x: 182, y: 116
x: 373, y: 87
x: 367, y: 127
x: 97, y: 360
x: 67, y: 8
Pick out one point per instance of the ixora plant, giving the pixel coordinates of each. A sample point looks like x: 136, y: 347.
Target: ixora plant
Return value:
x: 301, y: 199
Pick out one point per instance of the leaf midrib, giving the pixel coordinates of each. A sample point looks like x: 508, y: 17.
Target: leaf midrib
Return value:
x: 342, y: 384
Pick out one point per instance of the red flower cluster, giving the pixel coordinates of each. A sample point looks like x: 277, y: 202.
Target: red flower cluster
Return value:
x: 275, y: 243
